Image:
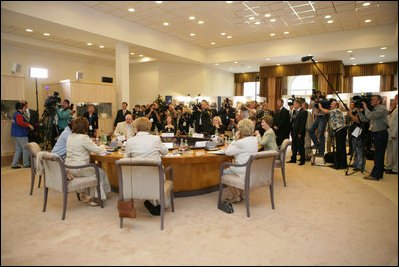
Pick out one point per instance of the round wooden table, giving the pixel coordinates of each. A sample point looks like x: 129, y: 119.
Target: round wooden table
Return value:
x: 194, y: 173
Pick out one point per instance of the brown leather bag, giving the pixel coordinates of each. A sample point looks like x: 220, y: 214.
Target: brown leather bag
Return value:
x: 126, y: 209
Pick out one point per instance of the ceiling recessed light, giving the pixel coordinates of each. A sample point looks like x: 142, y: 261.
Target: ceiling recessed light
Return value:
x: 330, y: 21
x: 89, y: 44
x: 132, y: 53
x: 29, y: 30
x: 278, y: 64
x: 327, y: 16
x: 367, y: 20
x: 158, y: 2
x: 267, y: 15
x: 352, y: 58
x: 354, y: 64
x: 229, y: 2
x: 267, y: 58
x: 316, y: 61
x: 272, y: 34
x: 229, y: 37
x: 131, y: 9
x: 141, y: 56
x: 216, y: 64
x: 249, y: 67
x: 380, y: 62
x: 192, y: 34
x: 213, y: 43
x: 222, y: 33
x: 191, y: 18
x: 382, y: 55
x: 251, y: 18
x: 235, y: 62
x: 383, y: 48
x: 349, y: 51
x: 272, y: 20
x: 46, y: 34
x: 257, y: 23
x: 286, y: 32
x: 366, y: 4
x: 166, y: 23
x: 200, y: 22
x: 101, y: 46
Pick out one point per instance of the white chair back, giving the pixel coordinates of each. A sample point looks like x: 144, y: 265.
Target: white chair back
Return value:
x: 53, y: 171
x: 262, y: 168
x: 140, y: 178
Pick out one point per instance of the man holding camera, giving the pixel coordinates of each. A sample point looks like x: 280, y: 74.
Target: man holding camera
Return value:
x: 319, y: 123
x: 358, y: 134
x: 378, y: 127
x: 202, y: 117
x: 339, y: 130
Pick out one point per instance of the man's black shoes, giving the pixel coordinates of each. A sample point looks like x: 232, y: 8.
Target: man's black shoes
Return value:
x: 156, y: 211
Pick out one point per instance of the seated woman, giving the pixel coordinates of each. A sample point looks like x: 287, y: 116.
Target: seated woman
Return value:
x: 78, y: 148
x: 245, y: 145
x: 169, y: 128
x: 217, y: 126
x: 145, y: 145
x: 268, y: 140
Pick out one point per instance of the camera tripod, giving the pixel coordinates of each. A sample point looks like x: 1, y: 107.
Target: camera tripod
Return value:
x: 314, y: 155
x: 363, y: 161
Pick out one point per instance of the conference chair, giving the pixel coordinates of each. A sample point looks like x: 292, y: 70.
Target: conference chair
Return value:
x: 142, y: 178
x: 55, y: 177
x: 33, y: 149
x: 259, y: 172
x: 280, y: 162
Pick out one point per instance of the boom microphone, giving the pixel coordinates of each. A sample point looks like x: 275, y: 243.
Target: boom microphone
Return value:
x: 307, y: 58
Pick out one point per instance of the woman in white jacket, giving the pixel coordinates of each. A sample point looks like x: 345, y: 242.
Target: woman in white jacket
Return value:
x: 78, y: 146
x: 145, y: 145
x: 245, y: 145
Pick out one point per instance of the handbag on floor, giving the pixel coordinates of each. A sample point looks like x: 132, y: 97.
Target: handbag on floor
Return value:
x: 226, y: 207
x: 126, y: 209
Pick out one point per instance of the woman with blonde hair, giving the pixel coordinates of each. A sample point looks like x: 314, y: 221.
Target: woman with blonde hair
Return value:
x: 217, y: 126
x: 268, y: 140
x: 242, y: 148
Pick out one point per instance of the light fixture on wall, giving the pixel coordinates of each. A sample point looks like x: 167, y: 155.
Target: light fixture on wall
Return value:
x: 37, y: 73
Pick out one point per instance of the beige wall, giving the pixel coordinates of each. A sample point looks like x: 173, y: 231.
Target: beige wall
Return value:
x: 59, y: 66
x: 147, y: 80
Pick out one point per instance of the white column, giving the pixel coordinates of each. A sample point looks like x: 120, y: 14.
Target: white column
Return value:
x: 122, y: 75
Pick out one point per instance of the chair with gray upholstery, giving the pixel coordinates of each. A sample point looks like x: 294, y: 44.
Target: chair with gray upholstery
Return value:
x: 141, y: 178
x: 33, y: 148
x: 280, y: 162
x: 55, y: 177
x: 259, y: 172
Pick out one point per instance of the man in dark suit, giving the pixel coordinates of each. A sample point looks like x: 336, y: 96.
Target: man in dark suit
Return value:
x: 281, y: 125
x: 298, y: 132
x: 33, y: 119
x: 120, y: 116
x: 202, y: 118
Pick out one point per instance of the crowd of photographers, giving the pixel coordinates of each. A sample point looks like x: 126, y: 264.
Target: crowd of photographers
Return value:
x: 365, y: 125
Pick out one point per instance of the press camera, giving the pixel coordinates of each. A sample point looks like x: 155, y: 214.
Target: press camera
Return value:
x: 52, y: 100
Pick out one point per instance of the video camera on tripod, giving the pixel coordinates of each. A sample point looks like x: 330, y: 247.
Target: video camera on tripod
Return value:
x: 320, y: 99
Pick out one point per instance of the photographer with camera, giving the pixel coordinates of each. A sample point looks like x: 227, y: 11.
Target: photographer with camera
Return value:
x: 48, y: 118
x: 185, y: 122
x: 226, y: 113
x: 339, y: 131
x: 359, y: 134
x: 319, y: 123
x: 153, y: 114
x: 378, y: 127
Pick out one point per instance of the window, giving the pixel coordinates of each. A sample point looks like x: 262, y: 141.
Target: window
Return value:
x: 300, y: 85
x: 250, y: 88
x: 366, y: 84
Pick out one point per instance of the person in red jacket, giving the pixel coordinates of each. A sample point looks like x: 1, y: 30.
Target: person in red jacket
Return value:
x: 20, y: 131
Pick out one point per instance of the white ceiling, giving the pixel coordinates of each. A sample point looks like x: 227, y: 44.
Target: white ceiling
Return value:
x: 299, y: 18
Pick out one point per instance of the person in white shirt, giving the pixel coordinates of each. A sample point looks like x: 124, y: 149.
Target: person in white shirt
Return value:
x: 78, y: 147
x: 145, y: 145
x: 392, y: 147
x: 126, y: 128
x: 245, y: 145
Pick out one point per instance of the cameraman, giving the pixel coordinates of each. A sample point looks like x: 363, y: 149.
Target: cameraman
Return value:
x: 154, y: 117
x: 202, y: 117
x: 378, y: 126
x: 339, y: 129
x: 226, y: 113
x: 319, y: 123
x: 359, y: 120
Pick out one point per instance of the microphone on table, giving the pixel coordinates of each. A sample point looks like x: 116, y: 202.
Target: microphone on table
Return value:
x: 307, y: 58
